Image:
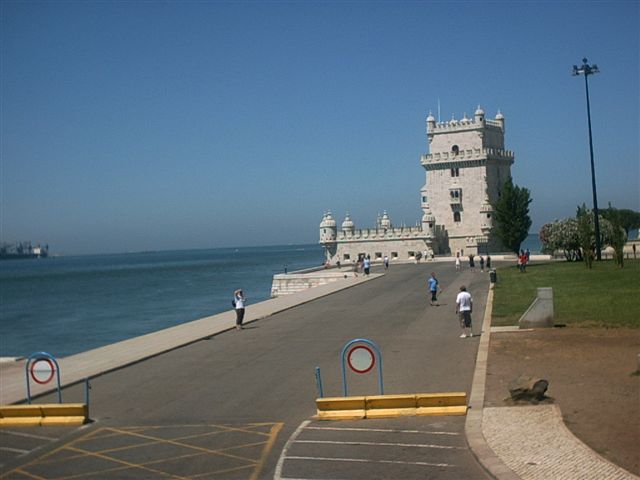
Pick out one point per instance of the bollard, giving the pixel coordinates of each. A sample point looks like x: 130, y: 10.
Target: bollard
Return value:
x: 87, y: 387
x: 319, y: 382
x: 493, y: 276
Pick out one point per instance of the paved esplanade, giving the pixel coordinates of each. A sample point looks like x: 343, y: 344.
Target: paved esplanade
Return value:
x: 239, y: 405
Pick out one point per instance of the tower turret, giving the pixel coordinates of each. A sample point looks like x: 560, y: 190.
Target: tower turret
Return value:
x: 328, y: 231
x: 500, y: 120
x: 385, y: 222
x: 328, y: 235
x: 428, y: 222
x: 348, y: 225
x: 479, y: 115
x: 486, y: 214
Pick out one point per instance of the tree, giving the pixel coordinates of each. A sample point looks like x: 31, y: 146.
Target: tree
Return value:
x: 586, y: 234
x: 621, y: 222
x: 623, y: 217
x: 511, y: 214
x: 610, y: 234
x: 562, y: 235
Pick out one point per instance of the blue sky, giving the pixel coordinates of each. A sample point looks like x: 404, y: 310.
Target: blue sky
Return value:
x: 155, y: 125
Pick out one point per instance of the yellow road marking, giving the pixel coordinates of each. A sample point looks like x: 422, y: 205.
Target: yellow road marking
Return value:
x: 76, y: 450
x: 274, y: 433
x: 27, y: 474
x: 117, y: 460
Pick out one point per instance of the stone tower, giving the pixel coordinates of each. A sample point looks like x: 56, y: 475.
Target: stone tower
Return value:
x: 466, y: 167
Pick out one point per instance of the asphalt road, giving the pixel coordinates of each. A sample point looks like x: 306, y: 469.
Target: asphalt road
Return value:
x: 240, y: 404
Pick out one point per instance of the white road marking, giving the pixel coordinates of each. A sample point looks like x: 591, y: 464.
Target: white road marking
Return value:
x: 277, y: 475
x: 362, y: 460
x: 28, y: 435
x: 385, y: 430
x: 381, y: 444
x: 14, y: 450
x: 304, y: 426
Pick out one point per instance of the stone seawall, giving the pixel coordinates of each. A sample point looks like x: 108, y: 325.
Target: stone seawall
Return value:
x: 288, y: 283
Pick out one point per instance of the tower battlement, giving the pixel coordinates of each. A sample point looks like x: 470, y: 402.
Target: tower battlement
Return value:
x: 440, y: 160
x: 463, y: 124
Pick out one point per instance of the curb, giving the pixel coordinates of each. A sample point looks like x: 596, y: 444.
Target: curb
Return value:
x: 473, y: 425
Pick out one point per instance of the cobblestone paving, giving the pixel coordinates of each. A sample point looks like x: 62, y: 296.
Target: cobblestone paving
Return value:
x: 534, y: 442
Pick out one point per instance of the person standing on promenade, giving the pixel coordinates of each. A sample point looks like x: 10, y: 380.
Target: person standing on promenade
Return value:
x: 386, y: 262
x: 472, y: 263
x: 458, y: 263
x: 367, y: 265
x: 481, y: 263
x: 522, y: 261
x: 464, y: 307
x: 488, y: 262
x: 433, y: 288
x: 238, y: 303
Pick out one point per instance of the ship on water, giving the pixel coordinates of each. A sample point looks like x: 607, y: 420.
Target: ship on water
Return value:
x: 18, y: 250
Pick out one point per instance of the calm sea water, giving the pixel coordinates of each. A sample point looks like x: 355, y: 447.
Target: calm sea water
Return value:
x: 66, y: 305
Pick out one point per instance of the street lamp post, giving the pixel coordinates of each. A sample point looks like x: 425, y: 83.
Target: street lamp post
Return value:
x: 587, y: 70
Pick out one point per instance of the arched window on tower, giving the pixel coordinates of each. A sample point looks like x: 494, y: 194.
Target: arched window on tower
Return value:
x: 455, y: 149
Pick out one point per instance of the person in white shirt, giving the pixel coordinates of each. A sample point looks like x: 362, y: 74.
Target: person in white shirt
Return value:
x: 238, y: 298
x: 464, y: 307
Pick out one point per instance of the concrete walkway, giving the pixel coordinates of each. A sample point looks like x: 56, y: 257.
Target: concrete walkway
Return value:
x: 510, y: 442
x: 527, y: 442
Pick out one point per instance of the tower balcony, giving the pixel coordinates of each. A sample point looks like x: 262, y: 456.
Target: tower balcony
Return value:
x: 465, y: 158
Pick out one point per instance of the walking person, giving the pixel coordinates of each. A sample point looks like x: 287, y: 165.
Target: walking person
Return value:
x: 481, y: 263
x: 367, y: 265
x: 464, y: 307
x: 386, y: 262
x: 488, y: 262
x: 238, y: 303
x: 433, y: 288
x: 472, y: 263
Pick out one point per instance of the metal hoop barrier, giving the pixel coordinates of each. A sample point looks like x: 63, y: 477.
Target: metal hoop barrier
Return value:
x: 364, y: 364
x: 52, y: 369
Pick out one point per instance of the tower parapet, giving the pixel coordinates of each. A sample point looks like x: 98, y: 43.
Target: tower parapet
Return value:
x: 397, y: 243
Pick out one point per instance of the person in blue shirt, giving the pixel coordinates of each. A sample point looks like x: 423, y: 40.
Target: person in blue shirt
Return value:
x: 433, y: 288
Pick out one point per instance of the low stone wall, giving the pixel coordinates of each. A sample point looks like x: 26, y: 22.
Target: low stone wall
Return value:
x: 288, y: 283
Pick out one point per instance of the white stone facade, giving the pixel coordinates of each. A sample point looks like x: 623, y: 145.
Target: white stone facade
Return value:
x: 466, y: 166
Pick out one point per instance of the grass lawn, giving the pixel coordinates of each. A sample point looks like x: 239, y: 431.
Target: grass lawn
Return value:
x: 605, y: 296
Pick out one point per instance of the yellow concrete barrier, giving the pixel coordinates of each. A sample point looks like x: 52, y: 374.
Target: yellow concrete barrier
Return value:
x: 43, y: 414
x: 453, y: 403
x: 388, y: 406
x: 340, y: 408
